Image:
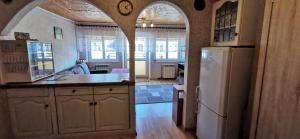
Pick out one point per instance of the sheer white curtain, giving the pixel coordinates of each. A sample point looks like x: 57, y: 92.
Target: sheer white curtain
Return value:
x: 99, y: 43
x: 154, y: 37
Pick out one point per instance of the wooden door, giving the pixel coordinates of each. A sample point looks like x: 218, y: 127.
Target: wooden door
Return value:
x: 279, y: 115
x: 112, y: 112
x: 30, y: 116
x: 75, y: 113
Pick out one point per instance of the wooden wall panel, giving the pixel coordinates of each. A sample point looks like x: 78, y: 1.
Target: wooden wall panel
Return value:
x: 279, y: 115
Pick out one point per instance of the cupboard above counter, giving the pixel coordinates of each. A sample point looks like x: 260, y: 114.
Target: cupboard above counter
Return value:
x: 234, y: 23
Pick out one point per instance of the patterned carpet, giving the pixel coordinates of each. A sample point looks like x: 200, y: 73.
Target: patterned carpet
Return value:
x: 147, y: 94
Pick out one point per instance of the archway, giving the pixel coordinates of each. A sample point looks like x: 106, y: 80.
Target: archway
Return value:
x: 104, y: 49
x: 159, y: 43
x: 160, y: 24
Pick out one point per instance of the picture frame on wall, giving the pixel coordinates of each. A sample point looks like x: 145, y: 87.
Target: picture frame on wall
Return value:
x: 22, y: 36
x: 58, y: 33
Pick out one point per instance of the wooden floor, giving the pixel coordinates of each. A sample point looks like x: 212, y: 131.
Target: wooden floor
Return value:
x: 154, y: 121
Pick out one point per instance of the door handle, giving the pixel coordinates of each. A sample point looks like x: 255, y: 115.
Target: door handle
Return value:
x: 46, y: 106
x: 91, y: 103
x: 197, y: 100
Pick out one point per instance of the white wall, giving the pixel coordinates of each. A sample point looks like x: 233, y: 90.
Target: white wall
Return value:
x: 39, y: 23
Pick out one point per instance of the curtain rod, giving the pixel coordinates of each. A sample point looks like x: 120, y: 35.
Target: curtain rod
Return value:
x: 112, y: 26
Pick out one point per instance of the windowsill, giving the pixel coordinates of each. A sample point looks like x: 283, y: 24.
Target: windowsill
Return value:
x: 164, y: 61
x: 104, y: 61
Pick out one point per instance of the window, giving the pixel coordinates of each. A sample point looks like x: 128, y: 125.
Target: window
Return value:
x: 110, y: 50
x: 167, y: 49
x: 172, y: 49
x: 96, y: 49
x: 103, y: 48
x: 140, y: 49
x: 182, y: 53
x: 161, y: 49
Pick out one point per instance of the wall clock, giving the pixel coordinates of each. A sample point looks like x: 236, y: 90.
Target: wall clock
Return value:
x: 199, y: 5
x: 125, y: 7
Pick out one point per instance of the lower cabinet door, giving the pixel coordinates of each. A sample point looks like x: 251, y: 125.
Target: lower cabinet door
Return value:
x: 30, y: 116
x: 112, y: 112
x: 75, y: 114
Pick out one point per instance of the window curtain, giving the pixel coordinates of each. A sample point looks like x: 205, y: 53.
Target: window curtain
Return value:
x: 87, y: 34
x: 153, y: 34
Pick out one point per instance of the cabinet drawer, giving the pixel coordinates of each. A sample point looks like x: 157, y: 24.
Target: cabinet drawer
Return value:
x: 73, y: 91
x: 27, y: 92
x: 111, y: 89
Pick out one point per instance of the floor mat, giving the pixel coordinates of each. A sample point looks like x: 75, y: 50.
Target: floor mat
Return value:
x: 147, y: 94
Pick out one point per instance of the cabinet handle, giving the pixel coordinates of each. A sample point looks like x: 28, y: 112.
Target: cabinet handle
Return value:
x: 235, y: 34
x: 46, y: 106
x: 95, y: 103
x: 110, y: 89
x: 73, y: 91
x: 91, y: 103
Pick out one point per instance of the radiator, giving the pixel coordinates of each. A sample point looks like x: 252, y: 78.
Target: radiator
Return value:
x: 168, y: 71
x: 102, y: 67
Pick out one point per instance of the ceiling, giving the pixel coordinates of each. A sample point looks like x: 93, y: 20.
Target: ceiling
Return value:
x: 162, y: 14
x: 82, y: 11
x: 76, y: 10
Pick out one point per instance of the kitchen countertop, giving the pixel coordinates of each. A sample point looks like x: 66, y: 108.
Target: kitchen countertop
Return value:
x: 77, y: 80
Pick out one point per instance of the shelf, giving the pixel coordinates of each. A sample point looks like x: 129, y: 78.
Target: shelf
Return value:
x: 15, y: 63
x: 228, y: 27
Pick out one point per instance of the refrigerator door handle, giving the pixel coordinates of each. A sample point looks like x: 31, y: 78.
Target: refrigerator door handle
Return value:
x: 197, y: 93
x: 197, y: 99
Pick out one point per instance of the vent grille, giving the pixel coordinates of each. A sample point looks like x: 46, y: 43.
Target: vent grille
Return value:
x: 168, y: 71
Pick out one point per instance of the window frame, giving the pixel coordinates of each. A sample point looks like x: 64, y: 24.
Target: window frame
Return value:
x: 104, y: 59
x: 167, y: 59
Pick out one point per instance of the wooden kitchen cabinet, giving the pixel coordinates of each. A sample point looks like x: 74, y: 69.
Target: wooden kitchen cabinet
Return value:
x: 75, y: 113
x: 68, y: 110
x: 234, y: 23
x: 30, y: 116
x: 112, y: 111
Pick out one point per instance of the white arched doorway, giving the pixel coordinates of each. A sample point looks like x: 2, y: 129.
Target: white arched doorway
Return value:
x: 159, y: 41
x: 77, y: 42
x: 161, y: 38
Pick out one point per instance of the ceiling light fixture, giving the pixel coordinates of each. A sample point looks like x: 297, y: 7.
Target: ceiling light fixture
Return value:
x: 144, y: 25
x: 151, y: 25
x: 143, y: 22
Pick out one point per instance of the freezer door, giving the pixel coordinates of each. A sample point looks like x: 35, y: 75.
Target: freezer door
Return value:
x: 209, y: 124
x: 215, y: 63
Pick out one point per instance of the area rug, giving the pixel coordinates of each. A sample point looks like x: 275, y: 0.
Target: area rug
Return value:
x: 147, y: 94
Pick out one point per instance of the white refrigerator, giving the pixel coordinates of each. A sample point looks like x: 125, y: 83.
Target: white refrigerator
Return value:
x: 223, y: 91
